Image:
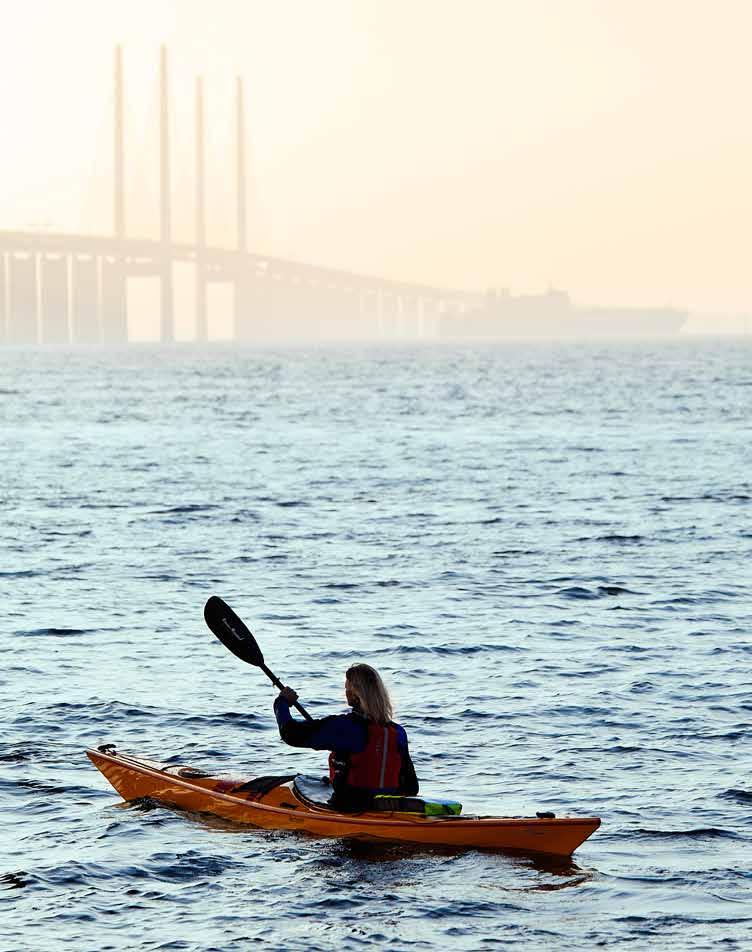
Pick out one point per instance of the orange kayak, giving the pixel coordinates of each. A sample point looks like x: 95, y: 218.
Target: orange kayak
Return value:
x: 284, y: 803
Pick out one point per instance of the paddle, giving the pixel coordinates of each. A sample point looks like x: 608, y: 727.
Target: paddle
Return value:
x: 234, y: 635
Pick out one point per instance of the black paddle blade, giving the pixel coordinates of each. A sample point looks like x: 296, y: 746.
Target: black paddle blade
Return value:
x: 231, y: 631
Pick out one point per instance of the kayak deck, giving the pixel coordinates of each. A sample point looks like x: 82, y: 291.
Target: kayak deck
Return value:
x: 273, y: 803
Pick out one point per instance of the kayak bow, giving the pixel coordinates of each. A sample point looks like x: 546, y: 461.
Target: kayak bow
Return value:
x: 277, y: 803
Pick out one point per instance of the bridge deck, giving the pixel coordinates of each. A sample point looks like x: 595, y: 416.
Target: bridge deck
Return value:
x: 147, y: 256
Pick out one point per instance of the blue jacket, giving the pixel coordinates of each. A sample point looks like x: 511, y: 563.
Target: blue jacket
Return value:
x: 344, y: 734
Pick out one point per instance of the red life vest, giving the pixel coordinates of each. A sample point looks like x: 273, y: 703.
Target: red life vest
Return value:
x: 376, y: 767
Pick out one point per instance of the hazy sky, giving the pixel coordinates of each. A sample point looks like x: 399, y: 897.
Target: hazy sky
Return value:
x: 604, y: 146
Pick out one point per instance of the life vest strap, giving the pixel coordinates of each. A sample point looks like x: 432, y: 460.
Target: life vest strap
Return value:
x: 384, y: 754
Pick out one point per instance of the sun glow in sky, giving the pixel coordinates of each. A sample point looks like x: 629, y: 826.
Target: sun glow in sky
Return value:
x: 603, y: 147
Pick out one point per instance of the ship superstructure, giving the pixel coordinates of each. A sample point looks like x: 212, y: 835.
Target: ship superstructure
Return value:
x: 552, y: 314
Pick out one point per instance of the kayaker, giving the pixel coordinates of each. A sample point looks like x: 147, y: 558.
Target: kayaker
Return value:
x: 369, y: 752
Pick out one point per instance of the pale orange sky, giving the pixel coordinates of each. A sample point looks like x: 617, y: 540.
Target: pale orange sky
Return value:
x: 603, y: 146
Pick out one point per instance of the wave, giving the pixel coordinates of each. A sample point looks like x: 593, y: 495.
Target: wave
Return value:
x: 25, y: 573
x: 441, y: 650
x: 701, y: 833
x: 739, y: 796
x: 621, y: 539
x: 586, y: 594
x: 60, y: 632
x: 15, y: 880
x: 188, y: 508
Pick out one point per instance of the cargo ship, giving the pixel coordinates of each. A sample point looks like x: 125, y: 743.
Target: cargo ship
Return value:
x: 553, y: 314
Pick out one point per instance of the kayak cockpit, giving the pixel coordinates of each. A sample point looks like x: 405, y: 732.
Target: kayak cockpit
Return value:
x: 316, y: 794
x: 313, y: 791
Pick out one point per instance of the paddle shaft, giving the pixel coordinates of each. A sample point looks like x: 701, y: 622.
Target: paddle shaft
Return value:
x: 275, y: 680
x: 238, y: 638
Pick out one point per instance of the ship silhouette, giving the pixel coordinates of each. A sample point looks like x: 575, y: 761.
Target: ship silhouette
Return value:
x: 552, y: 314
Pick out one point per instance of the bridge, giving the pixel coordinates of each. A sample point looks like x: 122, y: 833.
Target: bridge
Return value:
x: 61, y: 288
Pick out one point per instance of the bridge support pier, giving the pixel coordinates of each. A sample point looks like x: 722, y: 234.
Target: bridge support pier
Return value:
x: 167, y: 323
x: 428, y: 318
x: 420, y: 305
x: 243, y: 307
x: 368, y: 313
x: 390, y: 314
x: 202, y: 318
x: 86, y: 318
x: 114, y: 306
x: 379, y: 302
x: 24, y: 304
x: 53, y: 297
x: 3, y: 299
x: 400, y: 315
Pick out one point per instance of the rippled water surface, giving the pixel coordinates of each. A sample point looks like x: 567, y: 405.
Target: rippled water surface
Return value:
x: 545, y: 548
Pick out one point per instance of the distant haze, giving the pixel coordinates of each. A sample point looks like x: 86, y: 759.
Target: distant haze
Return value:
x: 602, y: 147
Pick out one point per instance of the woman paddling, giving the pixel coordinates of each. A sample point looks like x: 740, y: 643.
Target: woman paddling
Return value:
x: 369, y: 752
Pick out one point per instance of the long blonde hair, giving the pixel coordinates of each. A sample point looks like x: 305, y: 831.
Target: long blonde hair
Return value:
x: 375, y: 703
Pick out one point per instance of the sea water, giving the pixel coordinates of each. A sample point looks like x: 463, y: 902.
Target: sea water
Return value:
x: 544, y: 547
